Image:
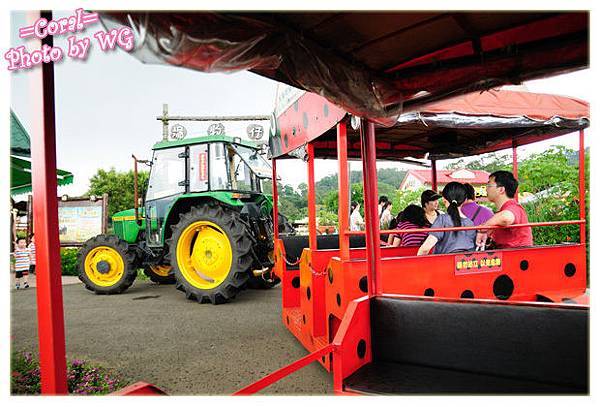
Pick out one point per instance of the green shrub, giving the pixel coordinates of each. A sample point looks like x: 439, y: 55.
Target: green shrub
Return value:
x: 559, y: 206
x: 68, y: 261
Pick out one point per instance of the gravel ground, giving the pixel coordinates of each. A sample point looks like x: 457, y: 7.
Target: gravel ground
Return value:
x: 152, y: 333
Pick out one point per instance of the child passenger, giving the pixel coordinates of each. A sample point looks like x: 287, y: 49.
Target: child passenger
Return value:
x: 454, y: 195
x: 413, y: 217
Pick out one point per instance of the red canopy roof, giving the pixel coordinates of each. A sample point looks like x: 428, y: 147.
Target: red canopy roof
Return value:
x: 473, y: 124
x: 507, y: 103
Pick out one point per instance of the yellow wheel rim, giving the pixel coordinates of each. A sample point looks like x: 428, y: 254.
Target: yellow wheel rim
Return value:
x: 104, y: 266
x: 161, y: 270
x: 204, y: 255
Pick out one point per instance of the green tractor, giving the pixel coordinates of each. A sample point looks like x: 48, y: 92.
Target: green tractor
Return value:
x: 205, y: 224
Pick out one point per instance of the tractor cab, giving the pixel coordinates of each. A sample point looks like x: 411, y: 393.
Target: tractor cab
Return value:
x: 227, y: 168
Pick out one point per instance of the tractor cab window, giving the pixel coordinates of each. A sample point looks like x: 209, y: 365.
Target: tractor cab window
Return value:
x: 219, y: 178
x: 236, y: 168
x: 258, y: 165
x: 198, y: 168
x: 167, y: 175
x: 240, y: 175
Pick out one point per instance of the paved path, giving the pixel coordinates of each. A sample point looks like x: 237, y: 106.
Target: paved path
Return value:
x: 152, y: 333
x: 66, y: 280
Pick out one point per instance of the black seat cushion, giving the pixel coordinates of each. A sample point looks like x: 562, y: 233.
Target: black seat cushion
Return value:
x: 542, y: 344
x: 295, y: 244
x: 402, y: 378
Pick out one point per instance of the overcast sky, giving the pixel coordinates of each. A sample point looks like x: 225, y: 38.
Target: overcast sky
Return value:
x: 106, y: 107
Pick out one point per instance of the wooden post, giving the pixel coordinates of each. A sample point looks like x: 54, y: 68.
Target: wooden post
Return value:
x: 105, y: 213
x: 29, y: 216
x: 165, y: 122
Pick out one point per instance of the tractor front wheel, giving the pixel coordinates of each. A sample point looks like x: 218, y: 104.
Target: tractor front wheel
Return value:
x: 210, y: 252
x: 106, y: 264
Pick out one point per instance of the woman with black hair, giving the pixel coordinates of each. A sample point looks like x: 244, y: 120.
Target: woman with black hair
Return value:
x: 454, y: 195
x: 413, y: 217
x: 430, y: 203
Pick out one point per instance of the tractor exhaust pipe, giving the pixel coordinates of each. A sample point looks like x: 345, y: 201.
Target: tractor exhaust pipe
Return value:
x: 135, y: 188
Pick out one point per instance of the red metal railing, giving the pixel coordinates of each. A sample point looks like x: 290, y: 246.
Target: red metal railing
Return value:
x: 520, y: 225
x: 284, y: 371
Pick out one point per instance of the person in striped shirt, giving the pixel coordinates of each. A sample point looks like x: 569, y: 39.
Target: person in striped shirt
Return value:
x: 22, y: 263
x: 31, y: 248
x: 412, y: 217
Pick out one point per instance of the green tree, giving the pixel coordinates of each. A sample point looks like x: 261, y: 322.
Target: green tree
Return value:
x: 292, y: 204
x: 401, y: 199
x: 552, y: 168
x: 555, y: 179
x: 119, y: 187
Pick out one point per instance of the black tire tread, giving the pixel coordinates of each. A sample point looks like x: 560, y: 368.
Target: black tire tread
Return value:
x: 127, y: 253
x: 241, y: 246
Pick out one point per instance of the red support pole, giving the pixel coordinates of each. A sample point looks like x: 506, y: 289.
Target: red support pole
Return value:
x: 343, y: 204
x: 369, y: 157
x: 275, y: 201
x: 581, y: 186
x: 515, y: 166
x: 433, y: 176
x: 312, y: 212
x: 51, y: 329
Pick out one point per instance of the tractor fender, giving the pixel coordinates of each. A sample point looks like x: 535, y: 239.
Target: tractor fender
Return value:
x: 184, y: 204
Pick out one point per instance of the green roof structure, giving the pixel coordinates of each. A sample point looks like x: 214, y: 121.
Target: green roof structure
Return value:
x: 20, y: 165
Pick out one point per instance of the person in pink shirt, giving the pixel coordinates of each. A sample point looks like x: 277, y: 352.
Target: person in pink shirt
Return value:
x: 501, y: 189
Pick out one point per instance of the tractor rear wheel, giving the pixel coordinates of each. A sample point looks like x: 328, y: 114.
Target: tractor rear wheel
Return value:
x: 210, y: 252
x: 160, y: 273
x: 107, y: 264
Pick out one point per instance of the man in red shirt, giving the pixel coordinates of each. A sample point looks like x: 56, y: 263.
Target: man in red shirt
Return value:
x: 501, y: 189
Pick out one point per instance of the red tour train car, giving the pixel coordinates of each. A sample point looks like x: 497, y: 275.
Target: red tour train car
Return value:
x: 344, y: 296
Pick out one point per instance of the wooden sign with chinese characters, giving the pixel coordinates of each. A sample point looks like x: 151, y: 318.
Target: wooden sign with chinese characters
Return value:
x: 482, y: 262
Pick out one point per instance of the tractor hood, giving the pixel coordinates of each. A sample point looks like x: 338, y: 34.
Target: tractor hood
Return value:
x: 127, y: 214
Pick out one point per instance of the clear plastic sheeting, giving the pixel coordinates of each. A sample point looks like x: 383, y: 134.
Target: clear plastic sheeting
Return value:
x: 211, y: 42
x: 458, y: 121
x: 371, y: 64
x: 183, y: 40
